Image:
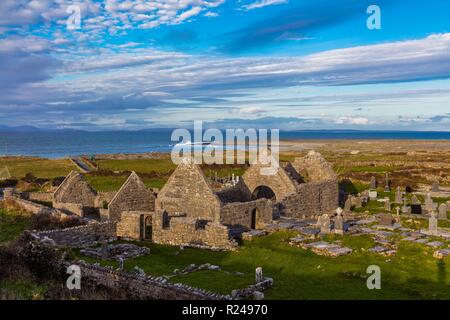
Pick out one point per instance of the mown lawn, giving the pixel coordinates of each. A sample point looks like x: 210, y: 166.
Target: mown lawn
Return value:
x: 40, y: 168
x: 299, y: 274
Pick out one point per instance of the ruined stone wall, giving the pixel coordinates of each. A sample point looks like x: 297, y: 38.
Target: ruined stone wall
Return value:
x: 314, y: 167
x: 240, y: 213
x: 187, y: 191
x: 80, y: 236
x: 237, y: 193
x: 34, y: 208
x: 132, y: 196
x: 130, y: 226
x: 312, y: 198
x: 192, y: 232
x: 74, y: 189
x: 142, y: 287
x: 70, y: 208
x: 104, y: 197
x: 37, y: 196
x: 280, y: 183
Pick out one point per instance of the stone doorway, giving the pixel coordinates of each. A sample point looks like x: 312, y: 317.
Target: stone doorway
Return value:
x: 254, y: 218
x: 146, y: 227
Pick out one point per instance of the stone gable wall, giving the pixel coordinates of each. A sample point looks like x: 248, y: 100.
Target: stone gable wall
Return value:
x: 314, y: 167
x: 281, y: 184
x: 187, y: 191
x: 74, y: 189
x: 132, y: 196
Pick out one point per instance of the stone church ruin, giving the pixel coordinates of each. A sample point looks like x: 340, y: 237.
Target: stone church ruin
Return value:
x: 192, y: 211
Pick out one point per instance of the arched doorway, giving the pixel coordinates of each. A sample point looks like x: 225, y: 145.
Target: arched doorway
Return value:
x: 263, y: 192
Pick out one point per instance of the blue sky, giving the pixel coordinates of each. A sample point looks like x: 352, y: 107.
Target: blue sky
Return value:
x: 283, y: 64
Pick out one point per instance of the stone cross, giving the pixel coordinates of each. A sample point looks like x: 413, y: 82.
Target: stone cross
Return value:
x: 443, y: 211
x: 433, y: 224
x: 325, y: 224
x: 405, y: 208
x: 373, y: 183
x: 259, y: 275
x: 339, y: 222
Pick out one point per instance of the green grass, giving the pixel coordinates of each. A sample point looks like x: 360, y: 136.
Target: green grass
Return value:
x: 21, y: 290
x: 40, y: 168
x: 105, y: 183
x: 12, y: 224
x: 138, y: 165
x: 300, y: 274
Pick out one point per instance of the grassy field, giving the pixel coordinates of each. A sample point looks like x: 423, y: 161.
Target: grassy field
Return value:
x: 41, y: 168
x: 12, y: 223
x: 299, y: 274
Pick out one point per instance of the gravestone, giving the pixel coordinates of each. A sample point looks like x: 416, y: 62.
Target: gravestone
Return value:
x: 373, y: 183
x: 387, y: 205
x: 386, y: 220
x: 348, y: 204
x: 387, y: 187
x: 259, y: 275
x: 121, y: 263
x: 398, y: 211
x: 429, y: 204
x: 357, y: 202
x: 442, y: 211
x: 325, y: 224
x: 398, y: 195
x: 373, y: 194
x: 433, y: 224
x: 339, y: 222
x: 435, y: 187
x: 405, y: 208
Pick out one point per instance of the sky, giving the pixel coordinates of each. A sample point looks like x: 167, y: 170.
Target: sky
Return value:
x: 275, y: 64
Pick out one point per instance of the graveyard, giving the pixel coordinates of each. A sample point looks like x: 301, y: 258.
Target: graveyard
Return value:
x: 392, y: 211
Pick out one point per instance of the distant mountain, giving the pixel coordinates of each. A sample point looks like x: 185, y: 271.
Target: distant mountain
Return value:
x: 30, y: 129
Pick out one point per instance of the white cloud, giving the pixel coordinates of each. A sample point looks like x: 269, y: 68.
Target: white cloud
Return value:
x: 352, y: 120
x: 263, y: 3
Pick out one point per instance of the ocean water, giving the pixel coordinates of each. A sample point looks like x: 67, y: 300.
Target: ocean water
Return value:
x: 57, y: 144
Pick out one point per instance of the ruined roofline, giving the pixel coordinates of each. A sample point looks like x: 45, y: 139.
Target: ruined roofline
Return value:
x: 316, y: 166
x: 188, y: 162
x: 67, y: 179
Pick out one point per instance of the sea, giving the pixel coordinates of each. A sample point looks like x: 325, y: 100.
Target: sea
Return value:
x: 60, y: 144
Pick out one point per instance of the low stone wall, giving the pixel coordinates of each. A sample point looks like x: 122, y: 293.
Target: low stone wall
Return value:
x: 142, y: 287
x: 192, y: 232
x: 80, y: 236
x: 35, y: 208
x: 240, y: 213
x: 70, y: 208
x: 37, y: 196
